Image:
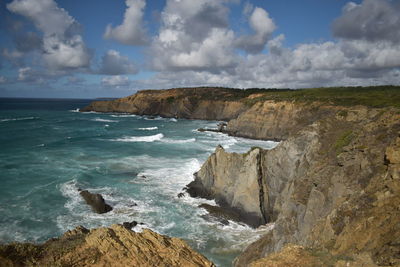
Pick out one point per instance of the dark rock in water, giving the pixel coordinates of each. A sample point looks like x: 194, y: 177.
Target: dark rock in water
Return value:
x: 181, y: 195
x: 129, y: 225
x: 96, y: 201
x: 222, y: 126
x: 222, y: 215
x: 208, y: 217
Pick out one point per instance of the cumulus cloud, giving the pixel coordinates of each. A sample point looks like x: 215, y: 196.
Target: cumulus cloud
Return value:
x: 131, y: 31
x: 263, y: 27
x: 179, y: 47
x: 372, y: 20
x: 115, y: 81
x: 113, y: 63
x: 62, y: 45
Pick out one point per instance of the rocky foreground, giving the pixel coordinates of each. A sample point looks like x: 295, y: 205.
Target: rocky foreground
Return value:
x: 331, y: 188
x: 114, y: 246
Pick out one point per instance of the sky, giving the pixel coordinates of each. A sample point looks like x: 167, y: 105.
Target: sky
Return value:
x: 112, y: 48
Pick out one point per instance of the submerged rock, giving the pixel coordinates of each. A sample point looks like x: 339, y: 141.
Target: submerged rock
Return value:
x: 96, y: 201
x: 113, y: 246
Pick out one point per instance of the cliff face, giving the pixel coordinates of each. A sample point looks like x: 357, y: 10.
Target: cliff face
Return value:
x: 114, y: 246
x: 234, y: 181
x: 332, y: 187
x: 190, y: 103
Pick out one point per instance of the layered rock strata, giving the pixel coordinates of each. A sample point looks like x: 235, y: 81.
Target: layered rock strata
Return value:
x: 332, y: 187
x: 114, y: 246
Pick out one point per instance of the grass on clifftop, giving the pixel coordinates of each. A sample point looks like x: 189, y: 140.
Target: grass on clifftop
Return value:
x: 373, y: 96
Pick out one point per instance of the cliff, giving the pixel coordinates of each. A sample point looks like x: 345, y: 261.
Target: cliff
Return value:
x: 190, y: 103
x: 332, y: 188
x: 114, y: 246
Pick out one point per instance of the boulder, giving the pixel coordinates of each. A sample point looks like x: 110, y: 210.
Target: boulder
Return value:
x: 96, y: 202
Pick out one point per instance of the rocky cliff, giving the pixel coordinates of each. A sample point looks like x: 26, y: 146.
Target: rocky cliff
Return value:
x: 332, y: 187
x: 114, y: 246
x: 190, y: 103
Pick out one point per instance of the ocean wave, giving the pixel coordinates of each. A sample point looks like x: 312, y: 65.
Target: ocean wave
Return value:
x: 150, y: 138
x: 148, y: 128
x: 74, y: 110
x: 19, y: 119
x: 103, y: 120
x: 173, y: 120
x: 124, y: 116
x: 177, y: 141
x: 80, y: 214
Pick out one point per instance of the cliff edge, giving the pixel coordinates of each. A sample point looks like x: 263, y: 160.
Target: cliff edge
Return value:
x: 114, y: 246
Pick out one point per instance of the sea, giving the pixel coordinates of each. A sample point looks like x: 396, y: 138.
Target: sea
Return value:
x: 49, y: 150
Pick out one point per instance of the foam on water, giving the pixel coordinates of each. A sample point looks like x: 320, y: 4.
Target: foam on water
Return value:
x: 19, y: 119
x: 148, y: 128
x: 124, y: 116
x: 103, y: 120
x: 178, y: 141
x: 150, y: 138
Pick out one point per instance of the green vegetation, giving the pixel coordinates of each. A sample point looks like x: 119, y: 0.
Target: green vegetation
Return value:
x: 343, y: 140
x: 373, y: 96
x: 343, y: 113
x: 170, y: 99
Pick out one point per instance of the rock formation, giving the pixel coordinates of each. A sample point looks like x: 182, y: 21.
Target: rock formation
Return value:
x: 333, y: 187
x: 114, y: 246
x: 96, y: 202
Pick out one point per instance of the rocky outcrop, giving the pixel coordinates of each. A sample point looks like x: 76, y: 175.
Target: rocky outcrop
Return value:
x: 114, y: 246
x: 233, y: 180
x: 95, y: 201
x: 332, y: 186
x: 190, y: 103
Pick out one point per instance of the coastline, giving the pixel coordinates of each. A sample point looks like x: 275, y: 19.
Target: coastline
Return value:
x: 335, y: 168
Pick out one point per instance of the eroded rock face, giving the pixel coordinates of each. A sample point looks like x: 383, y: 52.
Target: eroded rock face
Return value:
x: 332, y: 186
x: 233, y: 180
x: 190, y: 103
x: 114, y: 246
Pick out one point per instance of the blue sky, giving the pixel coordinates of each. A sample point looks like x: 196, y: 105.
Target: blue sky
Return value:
x: 71, y: 48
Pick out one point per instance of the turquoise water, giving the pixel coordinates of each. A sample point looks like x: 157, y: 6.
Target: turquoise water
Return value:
x: 49, y: 150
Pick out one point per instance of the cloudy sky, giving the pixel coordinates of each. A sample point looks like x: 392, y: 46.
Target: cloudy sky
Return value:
x: 84, y: 48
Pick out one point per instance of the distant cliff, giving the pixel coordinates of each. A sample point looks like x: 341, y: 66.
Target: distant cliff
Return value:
x: 114, y: 246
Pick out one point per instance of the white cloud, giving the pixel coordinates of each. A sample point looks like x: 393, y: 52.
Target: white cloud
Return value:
x: 263, y: 27
x: 63, y: 47
x: 194, y: 36
x: 131, y: 31
x: 115, y: 81
x: 113, y: 63
x: 3, y: 79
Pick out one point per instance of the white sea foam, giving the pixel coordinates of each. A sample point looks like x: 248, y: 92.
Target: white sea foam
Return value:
x: 74, y: 110
x: 150, y: 138
x: 178, y: 141
x: 103, y: 120
x: 173, y: 120
x: 124, y: 207
x: 19, y: 119
x: 124, y: 116
x: 148, y: 128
